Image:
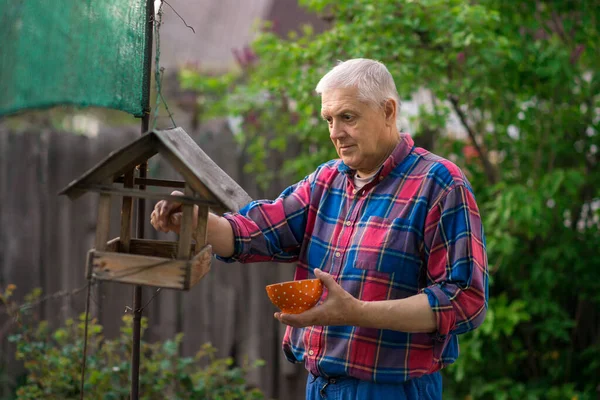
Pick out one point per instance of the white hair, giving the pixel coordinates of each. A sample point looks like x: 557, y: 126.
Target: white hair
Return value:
x: 374, y: 82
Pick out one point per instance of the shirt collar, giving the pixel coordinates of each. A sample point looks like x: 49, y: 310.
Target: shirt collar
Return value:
x: 400, y: 152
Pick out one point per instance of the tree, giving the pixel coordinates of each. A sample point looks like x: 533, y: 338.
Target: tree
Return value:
x: 522, y: 79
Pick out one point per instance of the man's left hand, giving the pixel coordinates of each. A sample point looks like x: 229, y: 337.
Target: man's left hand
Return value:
x: 340, y: 307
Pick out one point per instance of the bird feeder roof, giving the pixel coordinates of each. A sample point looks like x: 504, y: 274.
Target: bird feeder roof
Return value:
x: 198, y: 170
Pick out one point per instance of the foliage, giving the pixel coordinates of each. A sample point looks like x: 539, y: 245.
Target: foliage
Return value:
x: 522, y: 78
x: 53, y: 360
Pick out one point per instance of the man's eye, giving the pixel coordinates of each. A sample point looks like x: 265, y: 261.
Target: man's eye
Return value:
x: 347, y: 117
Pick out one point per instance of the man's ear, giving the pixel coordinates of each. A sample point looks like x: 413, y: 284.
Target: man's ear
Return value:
x: 390, y: 108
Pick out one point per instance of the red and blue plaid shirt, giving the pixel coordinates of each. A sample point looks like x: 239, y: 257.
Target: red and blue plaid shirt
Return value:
x: 414, y: 229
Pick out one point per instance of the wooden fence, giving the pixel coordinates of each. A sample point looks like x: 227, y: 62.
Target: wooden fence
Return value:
x: 44, y: 239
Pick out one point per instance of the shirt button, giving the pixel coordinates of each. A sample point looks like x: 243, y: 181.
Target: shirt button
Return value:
x: 338, y: 254
x: 354, y: 191
x: 380, y: 177
x: 310, y: 353
x: 348, y: 223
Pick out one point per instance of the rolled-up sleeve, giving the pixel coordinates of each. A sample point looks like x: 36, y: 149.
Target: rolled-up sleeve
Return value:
x: 271, y: 230
x: 456, y: 263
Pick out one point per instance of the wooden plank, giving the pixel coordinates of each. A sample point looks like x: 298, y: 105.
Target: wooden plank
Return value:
x: 200, y: 265
x: 199, y: 170
x: 140, y: 270
x: 126, y: 214
x: 107, y: 189
x: 21, y: 241
x: 68, y: 228
x: 210, y: 312
x: 202, y: 228
x: 154, y: 182
x: 115, y: 164
x: 147, y: 247
x: 185, y: 231
x: 156, y: 248
x: 185, y: 234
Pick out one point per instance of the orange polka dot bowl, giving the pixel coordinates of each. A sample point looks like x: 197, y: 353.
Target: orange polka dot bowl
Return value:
x: 295, y: 297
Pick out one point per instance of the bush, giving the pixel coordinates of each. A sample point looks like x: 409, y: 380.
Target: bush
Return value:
x: 53, y: 360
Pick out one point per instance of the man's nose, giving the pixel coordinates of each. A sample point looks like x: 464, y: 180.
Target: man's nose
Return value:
x: 336, y: 130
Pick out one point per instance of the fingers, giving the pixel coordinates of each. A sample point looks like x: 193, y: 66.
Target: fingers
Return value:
x: 296, y: 320
x: 165, y: 217
x: 160, y: 208
x: 173, y: 204
x: 175, y: 221
x: 153, y: 219
x: 157, y: 222
x: 327, y: 279
x: 165, y: 207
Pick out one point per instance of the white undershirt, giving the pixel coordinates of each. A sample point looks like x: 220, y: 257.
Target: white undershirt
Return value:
x: 359, y: 181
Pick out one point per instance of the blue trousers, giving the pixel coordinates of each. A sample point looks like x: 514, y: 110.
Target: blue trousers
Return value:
x: 427, y: 387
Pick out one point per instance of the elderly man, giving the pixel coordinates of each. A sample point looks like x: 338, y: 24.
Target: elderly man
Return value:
x: 393, y: 232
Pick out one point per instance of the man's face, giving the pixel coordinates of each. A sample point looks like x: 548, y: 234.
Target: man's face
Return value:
x: 361, y: 133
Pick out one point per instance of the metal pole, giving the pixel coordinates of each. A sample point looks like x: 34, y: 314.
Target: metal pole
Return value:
x: 141, y: 209
x: 135, y: 353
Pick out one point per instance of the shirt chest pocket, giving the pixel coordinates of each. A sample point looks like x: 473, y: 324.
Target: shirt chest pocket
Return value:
x: 388, y: 245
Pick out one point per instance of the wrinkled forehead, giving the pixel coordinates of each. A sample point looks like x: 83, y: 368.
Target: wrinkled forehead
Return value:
x: 335, y: 100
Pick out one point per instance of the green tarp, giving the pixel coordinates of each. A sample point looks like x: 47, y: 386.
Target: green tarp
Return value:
x: 78, y: 52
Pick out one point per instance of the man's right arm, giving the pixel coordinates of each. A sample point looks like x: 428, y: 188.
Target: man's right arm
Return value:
x: 220, y: 235
x: 263, y: 230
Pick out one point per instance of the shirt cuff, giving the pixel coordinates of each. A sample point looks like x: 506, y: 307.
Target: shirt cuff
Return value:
x: 241, y: 243
x: 442, y: 308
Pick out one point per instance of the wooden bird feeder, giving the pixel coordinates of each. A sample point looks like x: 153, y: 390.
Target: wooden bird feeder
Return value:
x: 177, y: 265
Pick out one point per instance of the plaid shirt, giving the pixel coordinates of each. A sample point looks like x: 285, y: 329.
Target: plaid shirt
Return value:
x: 414, y: 229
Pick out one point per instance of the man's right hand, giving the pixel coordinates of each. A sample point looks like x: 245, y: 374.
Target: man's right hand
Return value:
x: 166, y: 216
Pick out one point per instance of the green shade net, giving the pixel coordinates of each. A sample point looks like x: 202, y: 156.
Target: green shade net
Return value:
x: 77, y: 52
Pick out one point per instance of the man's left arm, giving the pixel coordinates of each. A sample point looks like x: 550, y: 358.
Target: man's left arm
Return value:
x: 457, y: 263
x: 454, y: 302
